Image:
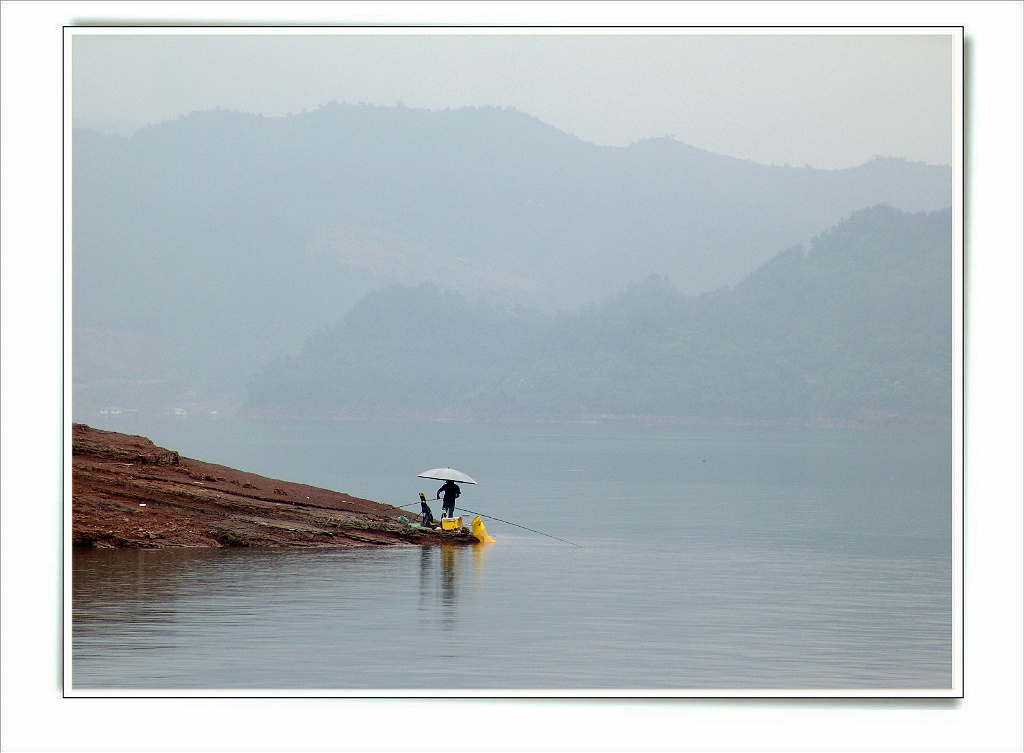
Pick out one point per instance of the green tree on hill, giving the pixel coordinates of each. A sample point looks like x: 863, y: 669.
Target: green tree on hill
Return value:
x: 858, y: 326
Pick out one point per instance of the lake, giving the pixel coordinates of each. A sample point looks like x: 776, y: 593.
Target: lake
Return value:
x: 705, y: 558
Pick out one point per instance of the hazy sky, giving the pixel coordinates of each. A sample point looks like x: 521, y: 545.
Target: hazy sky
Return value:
x: 821, y: 99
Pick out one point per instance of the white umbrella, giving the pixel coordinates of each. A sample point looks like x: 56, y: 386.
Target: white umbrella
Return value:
x: 446, y: 474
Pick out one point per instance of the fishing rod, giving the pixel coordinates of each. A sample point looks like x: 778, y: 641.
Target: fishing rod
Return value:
x: 506, y: 522
x: 416, y: 504
x: 472, y: 512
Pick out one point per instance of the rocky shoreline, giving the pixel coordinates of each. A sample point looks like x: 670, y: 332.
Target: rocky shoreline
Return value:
x: 127, y: 492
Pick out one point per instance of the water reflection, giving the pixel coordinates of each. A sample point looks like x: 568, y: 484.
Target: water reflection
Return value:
x: 426, y: 570
x: 479, y: 566
x: 447, y: 579
x: 449, y: 586
x: 113, y: 576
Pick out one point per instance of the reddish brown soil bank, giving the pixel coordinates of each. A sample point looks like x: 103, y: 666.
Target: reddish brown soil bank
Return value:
x: 127, y: 492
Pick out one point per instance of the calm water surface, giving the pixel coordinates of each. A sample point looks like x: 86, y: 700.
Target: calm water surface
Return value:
x: 728, y: 558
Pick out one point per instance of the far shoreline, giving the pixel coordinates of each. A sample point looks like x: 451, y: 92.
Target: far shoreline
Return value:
x: 867, y: 421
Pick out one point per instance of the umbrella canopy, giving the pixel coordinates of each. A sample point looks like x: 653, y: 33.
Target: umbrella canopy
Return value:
x: 446, y: 474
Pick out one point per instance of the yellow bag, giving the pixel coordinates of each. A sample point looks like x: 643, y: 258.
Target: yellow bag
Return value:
x: 480, y: 532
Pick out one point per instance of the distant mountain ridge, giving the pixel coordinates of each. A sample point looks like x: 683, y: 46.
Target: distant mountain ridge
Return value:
x: 857, y: 328
x: 228, y: 237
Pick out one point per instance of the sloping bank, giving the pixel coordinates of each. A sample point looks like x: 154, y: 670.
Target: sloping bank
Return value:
x: 127, y: 492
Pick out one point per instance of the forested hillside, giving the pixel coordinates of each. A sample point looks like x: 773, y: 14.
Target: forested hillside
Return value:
x: 858, y: 326
x: 220, y: 239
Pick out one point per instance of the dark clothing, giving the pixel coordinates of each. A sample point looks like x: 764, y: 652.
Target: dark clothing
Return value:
x: 451, y: 492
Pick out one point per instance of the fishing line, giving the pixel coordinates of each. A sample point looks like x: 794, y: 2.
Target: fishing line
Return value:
x: 491, y: 517
x: 472, y: 512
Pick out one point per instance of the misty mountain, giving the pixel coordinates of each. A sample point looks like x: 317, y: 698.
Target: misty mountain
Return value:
x: 217, y: 240
x: 857, y: 327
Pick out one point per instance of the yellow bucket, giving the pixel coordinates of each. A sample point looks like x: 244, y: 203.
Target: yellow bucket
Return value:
x: 480, y: 532
x: 451, y: 524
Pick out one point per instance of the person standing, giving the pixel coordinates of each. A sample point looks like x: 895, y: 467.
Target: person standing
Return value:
x: 451, y: 492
